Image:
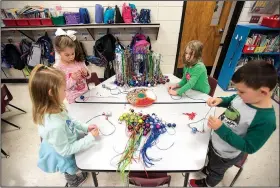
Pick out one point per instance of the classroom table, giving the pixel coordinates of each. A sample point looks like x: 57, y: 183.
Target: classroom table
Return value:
x: 190, y: 149
x: 117, y: 95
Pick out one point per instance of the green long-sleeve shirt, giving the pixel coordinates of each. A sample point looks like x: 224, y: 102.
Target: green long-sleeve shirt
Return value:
x: 195, y: 78
x: 245, y: 127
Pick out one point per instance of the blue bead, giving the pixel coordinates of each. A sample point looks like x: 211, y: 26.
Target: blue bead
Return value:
x: 194, y: 129
x: 169, y: 125
x: 173, y: 125
x: 82, y: 97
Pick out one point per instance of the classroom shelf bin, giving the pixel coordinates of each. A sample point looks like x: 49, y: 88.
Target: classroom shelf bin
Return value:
x: 46, y: 22
x: 9, y: 22
x: 59, y: 20
x: 34, y: 21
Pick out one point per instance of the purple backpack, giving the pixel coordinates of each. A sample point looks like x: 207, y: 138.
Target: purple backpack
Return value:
x: 99, y: 11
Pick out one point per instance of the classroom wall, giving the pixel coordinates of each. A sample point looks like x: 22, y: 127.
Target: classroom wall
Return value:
x: 167, y: 13
x: 245, y: 15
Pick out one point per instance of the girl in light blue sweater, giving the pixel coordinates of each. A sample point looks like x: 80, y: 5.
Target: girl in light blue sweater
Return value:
x: 59, y: 132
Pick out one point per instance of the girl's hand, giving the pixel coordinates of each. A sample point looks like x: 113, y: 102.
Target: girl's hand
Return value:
x: 76, y: 75
x: 84, y: 72
x: 172, y: 92
x: 95, y: 132
x: 214, y: 101
x: 91, y: 127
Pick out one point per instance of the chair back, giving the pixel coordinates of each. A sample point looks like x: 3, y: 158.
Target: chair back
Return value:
x: 213, y: 84
x: 6, y: 97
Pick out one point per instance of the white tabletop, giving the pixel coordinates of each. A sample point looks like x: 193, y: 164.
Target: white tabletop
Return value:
x: 187, y: 154
x: 102, y: 95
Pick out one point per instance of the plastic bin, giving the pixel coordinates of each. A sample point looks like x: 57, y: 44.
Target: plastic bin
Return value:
x: 34, y: 21
x: 46, y: 21
x: 22, y: 22
x: 249, y: 48
x: 72, y: 18
x: 271, y: 21
x: 58, y: 20
x: 9, y: 22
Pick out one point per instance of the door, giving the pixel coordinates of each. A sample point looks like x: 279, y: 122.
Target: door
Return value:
x: 197, y: 26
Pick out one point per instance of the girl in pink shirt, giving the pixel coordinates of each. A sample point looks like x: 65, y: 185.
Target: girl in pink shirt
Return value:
x: 71, y: 63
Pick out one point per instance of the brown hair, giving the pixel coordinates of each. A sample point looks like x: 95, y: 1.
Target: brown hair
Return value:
x: 62, y: 42
x: 42, y: 80
x: 196, y: 48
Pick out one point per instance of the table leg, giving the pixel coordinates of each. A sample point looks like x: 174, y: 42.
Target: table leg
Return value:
x: 186, y: 179
x: 94, y: 177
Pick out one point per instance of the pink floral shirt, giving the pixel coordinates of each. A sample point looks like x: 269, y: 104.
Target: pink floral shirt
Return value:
x: 74, y: 88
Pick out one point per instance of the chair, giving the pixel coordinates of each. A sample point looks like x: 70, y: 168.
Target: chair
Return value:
x: 6, y: 97
x: 93, y: 79
x: 213, y: 84
x: 240, y: 166
x: 153, y: 179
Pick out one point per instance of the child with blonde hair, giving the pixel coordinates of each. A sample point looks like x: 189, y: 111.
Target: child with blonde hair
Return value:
x: 59, y: 132
x: 71, y: 63
x: 195, y: 73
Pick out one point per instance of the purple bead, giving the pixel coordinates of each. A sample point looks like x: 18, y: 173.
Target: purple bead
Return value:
x: 158, y: 126
x: 173, y: 125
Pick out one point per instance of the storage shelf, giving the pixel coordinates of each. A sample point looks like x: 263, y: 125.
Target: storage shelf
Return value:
x: 82, y: 26
x: 264, y: 53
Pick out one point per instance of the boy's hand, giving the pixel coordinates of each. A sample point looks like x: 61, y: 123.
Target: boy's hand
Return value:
x: 214, y: 101
x: 172, y: 92
x: 214, y: 123
x: 91, y: 127
x: 94, y: 132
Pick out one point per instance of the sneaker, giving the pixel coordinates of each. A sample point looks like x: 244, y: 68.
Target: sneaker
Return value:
x: 197, y: 183
x: 76, y: 180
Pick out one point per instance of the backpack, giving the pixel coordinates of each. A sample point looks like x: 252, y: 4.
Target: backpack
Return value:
x: 134, y: 13
x: 104, y: 49
x: 13, y: 56
x: 34, y: 56
x: 139, y: 44
x: 84, y: 53
x: 118, y: 16
x: 109, y: 15
x: 99, y: 13
x: 47, y: 48
x: 105, y: 46
x: 145, y: 16
x: 25, y: 46
x: 84, y: 16
x: 132, y: 6
x: 126, y: 13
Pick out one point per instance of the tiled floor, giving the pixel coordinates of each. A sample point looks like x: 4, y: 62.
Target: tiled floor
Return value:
x: 261, y: 169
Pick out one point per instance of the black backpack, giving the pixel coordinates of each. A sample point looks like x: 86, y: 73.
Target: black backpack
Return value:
x: 118, y: 16
x: 13, y: 56
x: 104, y: 48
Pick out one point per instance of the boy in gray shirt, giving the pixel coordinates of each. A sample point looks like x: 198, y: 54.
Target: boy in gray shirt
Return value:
x: 247, y: 123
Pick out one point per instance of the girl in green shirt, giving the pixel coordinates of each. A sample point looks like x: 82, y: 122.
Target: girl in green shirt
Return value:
x: 195, y: 73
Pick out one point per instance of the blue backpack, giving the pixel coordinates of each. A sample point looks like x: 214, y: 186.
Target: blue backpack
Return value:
x: 99, y: 13
x: 84, y: 16
x: 145, y: 16
x: 109, y: 15
x: 47, y: 48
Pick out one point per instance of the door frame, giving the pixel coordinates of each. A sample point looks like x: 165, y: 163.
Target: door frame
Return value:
x: 233, y: 22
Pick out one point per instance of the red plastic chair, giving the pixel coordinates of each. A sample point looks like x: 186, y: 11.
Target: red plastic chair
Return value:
x: 153, y: 179
x: 239, y: 165
x: 93, y: 79
x: 213, y: 84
